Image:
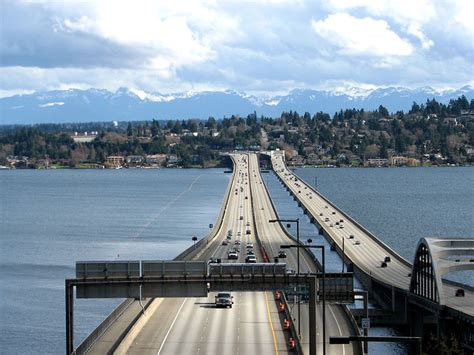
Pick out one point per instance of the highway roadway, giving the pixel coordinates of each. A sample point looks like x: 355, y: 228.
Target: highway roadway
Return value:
x: 252, y: 325
x: 195, y: 325
x: 359, y: 246
x: 273, y: 236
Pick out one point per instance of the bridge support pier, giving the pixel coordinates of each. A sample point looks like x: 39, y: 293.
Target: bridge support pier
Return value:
x: 416, y: 322
x: 69, y: 317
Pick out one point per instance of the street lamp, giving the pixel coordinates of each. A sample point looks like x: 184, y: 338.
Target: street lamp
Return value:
x: 324, y: 282
x: 194, y: 239
x: 343, y: 253
x: 297, y: 221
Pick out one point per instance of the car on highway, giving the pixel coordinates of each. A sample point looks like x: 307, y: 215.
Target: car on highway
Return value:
x: 282, y: 254
x: 213, y: 260
x: 249, y: 245
x: 250, y: 252
x: 232, y: 255
x: 250, y: 259
x: 459, y: 292
x: 357, y: 242
x: 237, y: 242
x: 224, y: 299
x: 225, y: 242
x: 248, y: 231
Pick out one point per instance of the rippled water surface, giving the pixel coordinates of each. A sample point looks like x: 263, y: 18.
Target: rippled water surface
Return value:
x: 51, y: 218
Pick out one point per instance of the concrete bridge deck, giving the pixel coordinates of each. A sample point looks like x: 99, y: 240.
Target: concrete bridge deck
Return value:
x: 361, y: 247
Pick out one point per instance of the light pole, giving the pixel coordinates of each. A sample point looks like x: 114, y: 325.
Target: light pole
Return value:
x: 297, y: 221
x: 343, y: 253
x: 324, y: 282
x: 194, y: 239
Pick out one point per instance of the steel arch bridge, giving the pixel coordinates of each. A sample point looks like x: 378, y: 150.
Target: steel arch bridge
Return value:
x: 435, y: 258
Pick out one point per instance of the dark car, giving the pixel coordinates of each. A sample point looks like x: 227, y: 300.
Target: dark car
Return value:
x: 282, y: 254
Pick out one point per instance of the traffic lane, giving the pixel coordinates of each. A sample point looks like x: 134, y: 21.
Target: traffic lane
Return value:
x: 150, y: 337
x: 334, y: 327
x: 201, y: 328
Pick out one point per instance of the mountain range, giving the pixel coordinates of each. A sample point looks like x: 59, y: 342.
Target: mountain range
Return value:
x: 125, y: 104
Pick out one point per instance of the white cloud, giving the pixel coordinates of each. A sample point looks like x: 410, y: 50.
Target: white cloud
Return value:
x: 401, y: 11
x: 262, y: 46
x: 463, y: 15
x: 361, y: 36
x: 161, y: 29
x: 414, y: 30
x: 411, y: 15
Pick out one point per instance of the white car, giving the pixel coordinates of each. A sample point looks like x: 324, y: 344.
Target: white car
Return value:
x: 232, y: 255
x: 251, y: 259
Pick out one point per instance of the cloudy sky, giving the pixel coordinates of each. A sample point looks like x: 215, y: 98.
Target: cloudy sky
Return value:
x: 255, y: 46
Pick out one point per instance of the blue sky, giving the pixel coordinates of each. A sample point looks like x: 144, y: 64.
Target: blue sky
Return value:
x: 263, y: 47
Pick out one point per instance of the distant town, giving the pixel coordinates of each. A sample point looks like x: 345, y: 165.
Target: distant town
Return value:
x: 430, y: 134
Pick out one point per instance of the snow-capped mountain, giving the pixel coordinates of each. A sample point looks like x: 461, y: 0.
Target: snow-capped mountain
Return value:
x: 132, y: 104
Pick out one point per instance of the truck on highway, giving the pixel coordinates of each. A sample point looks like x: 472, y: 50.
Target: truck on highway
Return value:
x: 224, y: 299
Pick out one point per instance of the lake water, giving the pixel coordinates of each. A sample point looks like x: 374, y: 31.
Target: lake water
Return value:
x: 51, y: 218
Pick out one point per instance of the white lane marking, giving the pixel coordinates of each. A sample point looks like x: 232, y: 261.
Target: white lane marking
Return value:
x: 171, y: 327
x: 339, y: 328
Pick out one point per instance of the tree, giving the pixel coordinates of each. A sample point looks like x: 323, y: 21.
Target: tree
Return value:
x: 129, y: 130
x: 383, y: 111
